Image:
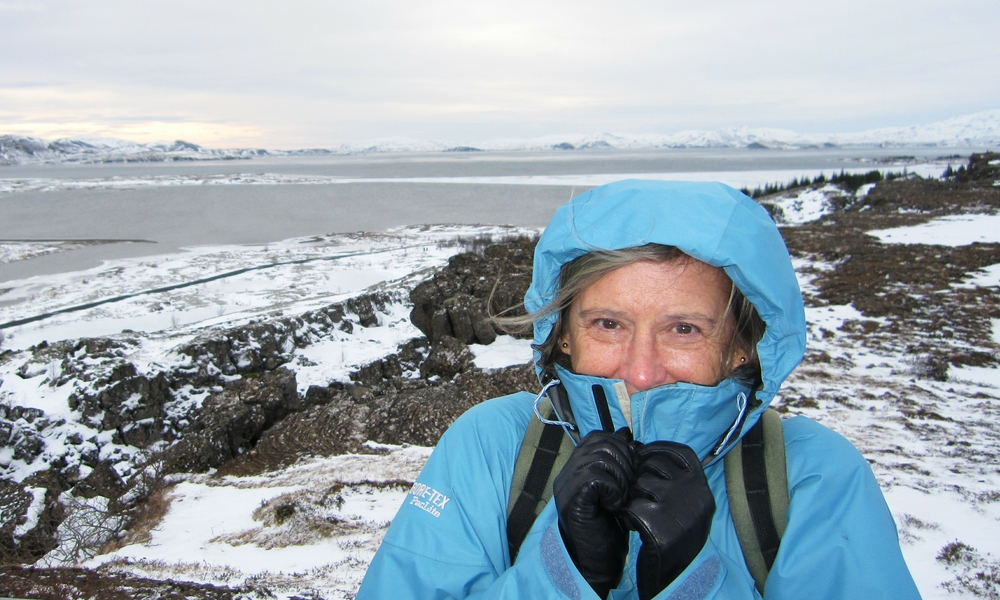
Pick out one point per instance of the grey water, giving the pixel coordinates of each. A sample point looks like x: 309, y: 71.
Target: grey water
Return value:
x: 168, y: 218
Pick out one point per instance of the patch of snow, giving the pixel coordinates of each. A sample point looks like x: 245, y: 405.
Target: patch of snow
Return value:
x: 13, y: 251
x: 863, y: 190
x: 954, y: 230
x: 333, y: 358
x: 34, y: 511
x: 806, y: 270
x: 34, y: 391
x: 985, y: 277
x: 944, y: 516
x: 832, y: 317
x: 807, y: 205
x: 505, y: 351
x: 203, y: 536
x: 982, y: 376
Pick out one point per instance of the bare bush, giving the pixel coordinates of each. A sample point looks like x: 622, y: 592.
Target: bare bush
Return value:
x: 909, y: 525
x: 974, y: 573
x: 99, y: 524
x: 90, y: 523
x: 147, y: 515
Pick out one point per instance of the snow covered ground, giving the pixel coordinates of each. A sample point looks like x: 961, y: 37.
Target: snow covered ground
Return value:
x: 938, y: 471
x: 939, y: 474
x: 214, y: 532
x: 173, y: 295
x: 158, y: 304
x: 955, y: 230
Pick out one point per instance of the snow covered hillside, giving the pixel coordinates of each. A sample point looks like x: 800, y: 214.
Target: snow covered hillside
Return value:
x: 980, y: 129
x: 15, y: 150
x: 246, y: 420
x: 975, y: 130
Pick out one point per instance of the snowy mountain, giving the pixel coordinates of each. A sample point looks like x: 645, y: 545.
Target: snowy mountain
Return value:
x: 22, y: 150
x: 979, y: 129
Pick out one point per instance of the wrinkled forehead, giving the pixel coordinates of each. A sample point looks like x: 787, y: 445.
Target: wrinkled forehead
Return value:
x: 654, y: 277
x: 654, y: 293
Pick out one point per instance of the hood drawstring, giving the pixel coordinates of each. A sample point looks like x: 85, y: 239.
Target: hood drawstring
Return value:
x: 555, y: 386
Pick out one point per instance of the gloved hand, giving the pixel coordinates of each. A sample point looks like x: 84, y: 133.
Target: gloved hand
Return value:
x: 671, y: 508
x: 590, y: 492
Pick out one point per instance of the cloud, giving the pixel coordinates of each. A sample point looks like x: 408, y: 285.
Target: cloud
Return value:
x: 21, y: 7
x: 214, y: 135
x: 310, y: 73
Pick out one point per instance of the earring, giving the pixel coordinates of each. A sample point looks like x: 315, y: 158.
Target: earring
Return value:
x: 565, y: 345
x: 743, y: 359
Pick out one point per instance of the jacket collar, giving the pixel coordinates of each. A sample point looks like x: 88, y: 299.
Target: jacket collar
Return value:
x: 695, y: 415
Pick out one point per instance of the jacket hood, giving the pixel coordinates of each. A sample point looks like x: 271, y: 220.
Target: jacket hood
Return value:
x: 711, y: 222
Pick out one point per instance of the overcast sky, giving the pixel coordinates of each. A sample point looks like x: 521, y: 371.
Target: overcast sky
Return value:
x: 292, y: 74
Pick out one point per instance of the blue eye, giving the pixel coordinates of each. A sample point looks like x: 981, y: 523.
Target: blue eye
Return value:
x: 684, y: 328
x: 607, y: 324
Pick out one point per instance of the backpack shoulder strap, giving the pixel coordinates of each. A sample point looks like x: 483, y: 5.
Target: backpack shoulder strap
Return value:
x: 757, y: 486
x: 544, y: 451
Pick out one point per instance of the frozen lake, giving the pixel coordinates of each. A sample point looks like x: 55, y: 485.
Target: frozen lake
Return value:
x: 167, y: 206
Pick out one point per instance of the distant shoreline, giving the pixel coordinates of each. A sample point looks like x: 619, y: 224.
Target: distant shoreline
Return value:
x: 112, y: 211
x: 981, y: 130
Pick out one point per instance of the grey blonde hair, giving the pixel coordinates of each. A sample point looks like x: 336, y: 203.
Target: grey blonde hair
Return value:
x: 579, y: 274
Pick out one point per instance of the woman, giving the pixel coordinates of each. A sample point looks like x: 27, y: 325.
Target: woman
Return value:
x: 671, y: 309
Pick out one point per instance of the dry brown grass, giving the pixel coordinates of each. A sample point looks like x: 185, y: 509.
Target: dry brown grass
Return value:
x: 148, y: 516
x: 72, y: 583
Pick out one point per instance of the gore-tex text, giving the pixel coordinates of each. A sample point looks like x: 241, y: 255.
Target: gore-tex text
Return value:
x: 427, y: 498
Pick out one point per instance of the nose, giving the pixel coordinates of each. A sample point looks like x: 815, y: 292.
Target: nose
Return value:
x: 642, y: 366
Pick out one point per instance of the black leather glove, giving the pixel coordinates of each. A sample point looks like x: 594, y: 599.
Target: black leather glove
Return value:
x: 671, y: 508
x: 590, y: 492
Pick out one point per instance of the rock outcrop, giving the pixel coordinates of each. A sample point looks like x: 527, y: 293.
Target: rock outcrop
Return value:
x: 459, y: 300
x: 227, y: 402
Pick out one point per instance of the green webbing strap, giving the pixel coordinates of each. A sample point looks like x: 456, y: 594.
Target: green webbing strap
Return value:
x: 544, y: 451
x: 757, y: 486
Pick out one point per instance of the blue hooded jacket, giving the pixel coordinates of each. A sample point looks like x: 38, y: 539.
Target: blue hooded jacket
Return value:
x: 449, y: 538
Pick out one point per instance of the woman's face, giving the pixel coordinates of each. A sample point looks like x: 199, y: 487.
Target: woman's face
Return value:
x: 652, y: 323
